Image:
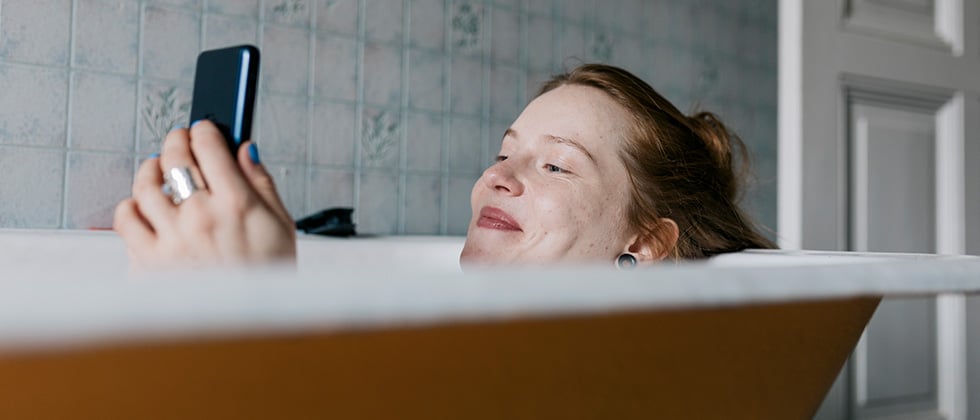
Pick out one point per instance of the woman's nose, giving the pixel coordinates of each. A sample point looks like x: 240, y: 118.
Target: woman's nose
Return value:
x: 502, y: 179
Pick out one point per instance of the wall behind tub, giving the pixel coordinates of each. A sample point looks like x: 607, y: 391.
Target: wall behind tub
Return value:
x: 393, y: 107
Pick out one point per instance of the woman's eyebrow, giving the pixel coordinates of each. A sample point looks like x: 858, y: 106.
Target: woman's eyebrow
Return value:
x: 574, y: 144
x: 557, y: 139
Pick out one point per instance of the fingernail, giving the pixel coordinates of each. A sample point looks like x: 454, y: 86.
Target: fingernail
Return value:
x: 253, y: 153
x: 154, y: 155
x: 195, y: 123
x: 178, y: 126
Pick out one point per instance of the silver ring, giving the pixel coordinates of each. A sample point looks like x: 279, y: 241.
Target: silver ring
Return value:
x: 179, y: 184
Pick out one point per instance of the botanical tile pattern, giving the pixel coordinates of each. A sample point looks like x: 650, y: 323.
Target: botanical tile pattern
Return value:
x: 392, y: 107
x: 380, y: 137
x: 467, y: 22
x: 164, y: 107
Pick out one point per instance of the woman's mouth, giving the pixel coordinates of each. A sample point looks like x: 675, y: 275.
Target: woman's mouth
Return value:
x: 494, y: 218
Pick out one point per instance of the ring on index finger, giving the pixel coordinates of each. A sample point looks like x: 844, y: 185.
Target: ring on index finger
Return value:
x: 180, y: 184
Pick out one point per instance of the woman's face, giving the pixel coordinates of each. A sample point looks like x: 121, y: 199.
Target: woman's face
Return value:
x: 558, y: 191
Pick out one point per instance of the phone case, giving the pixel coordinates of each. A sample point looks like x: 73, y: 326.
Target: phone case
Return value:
x: 224, y: 91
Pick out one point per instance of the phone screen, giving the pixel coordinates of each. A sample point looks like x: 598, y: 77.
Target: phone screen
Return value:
x: 224, y: 91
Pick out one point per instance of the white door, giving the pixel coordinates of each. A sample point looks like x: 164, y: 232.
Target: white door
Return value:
x: 879, y: 142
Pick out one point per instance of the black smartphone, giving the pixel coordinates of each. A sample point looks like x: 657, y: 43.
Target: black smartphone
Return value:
x: 224, y: 91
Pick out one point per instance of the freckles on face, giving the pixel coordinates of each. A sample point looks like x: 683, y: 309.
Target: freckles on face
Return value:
x: 559, y: 178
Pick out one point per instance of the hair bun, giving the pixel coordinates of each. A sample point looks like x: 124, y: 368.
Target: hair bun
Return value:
x: 722, y: 144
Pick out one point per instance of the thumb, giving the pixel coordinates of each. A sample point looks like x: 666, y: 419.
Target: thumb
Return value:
x: 261, y: 181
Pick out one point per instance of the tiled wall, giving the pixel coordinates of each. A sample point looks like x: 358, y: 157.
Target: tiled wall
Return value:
x: 393, y: 107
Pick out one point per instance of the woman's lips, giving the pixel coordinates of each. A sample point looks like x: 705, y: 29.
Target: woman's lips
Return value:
x: 494, y: 218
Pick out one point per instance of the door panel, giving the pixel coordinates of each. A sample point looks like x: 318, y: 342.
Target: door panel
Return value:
x: 893, y: 202
x: 879, y: 143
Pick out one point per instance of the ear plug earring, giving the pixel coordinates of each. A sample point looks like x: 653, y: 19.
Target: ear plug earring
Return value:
x: 626, y: 262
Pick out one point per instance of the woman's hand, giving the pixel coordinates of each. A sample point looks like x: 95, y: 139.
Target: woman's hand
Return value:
x: 236, y: 217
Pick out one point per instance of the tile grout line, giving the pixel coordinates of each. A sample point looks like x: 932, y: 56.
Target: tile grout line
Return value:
x: 446, y: 116
x: 311, y: 107
x: 401, y: 209
x: 359, y: 107
x: 69, y: 96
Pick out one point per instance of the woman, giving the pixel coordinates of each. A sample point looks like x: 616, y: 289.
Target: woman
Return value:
x: 598, y: 168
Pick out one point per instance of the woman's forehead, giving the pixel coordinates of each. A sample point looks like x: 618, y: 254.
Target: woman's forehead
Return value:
x: 573, y: 111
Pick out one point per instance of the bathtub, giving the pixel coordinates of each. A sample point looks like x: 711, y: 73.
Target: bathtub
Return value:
x: 389, y: 327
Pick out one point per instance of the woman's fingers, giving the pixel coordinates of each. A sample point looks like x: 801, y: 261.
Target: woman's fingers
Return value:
x: 130, y: 224
x: 177, y: 154
x: 215, y: 160
x: 262, y: 183
x: 153, y: 205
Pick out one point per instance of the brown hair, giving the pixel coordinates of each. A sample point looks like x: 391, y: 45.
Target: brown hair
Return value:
x: 681, y: 167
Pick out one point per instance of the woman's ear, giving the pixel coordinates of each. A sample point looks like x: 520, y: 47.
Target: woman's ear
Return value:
x: 655, y: 247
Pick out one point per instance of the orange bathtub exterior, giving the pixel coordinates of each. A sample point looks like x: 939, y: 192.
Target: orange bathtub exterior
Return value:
x: 755, y: 362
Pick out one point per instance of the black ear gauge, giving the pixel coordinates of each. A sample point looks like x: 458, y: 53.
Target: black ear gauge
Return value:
x: 626, y: 261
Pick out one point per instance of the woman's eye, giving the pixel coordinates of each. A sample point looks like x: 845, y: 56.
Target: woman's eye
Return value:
x: 554, y: 169
x: 501, y: 158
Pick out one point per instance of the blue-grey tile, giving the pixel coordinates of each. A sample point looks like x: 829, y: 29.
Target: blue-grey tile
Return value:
x: 107, y: 35
x: 535, y: 80
x: 285, y: 60
x: 283, y: 129
x: 377, y: 212
x: 330, y: 188
x: 35, y: 31
x: 291, y: 185
x: 336, y: 67
x: 288, y: 12
x: 423, y: 204
x: 577, y: 10
x: 426, y: 80
x: 382, y: 74
x: 466, y: 85
x: 333, y: 134
x: 540, y: 43
x: 171, y: 41
x: 103, y: 112
x: 428, y: 27
x: 337, y: 16
x: 224, y: 31
x: 381, y: 135
x: 246, y: 8
x: 573, y: 45
x: 424, y: 148
x: 465, y: 144
x: 31, y: 188
x: 540, y: 7
x: 33, y: 102
x: 161, y: 107
x: 458, y: 219
x: 96, y: 183
x: 505, y: 92
x: 383, y: 21
x: 505, y: 42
